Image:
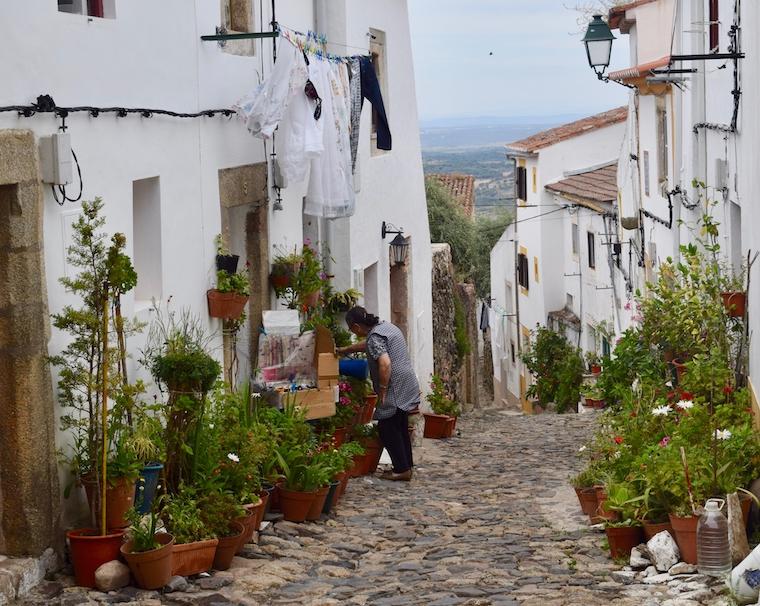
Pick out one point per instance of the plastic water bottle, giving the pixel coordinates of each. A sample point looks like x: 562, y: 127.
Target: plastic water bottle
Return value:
x: 713, y: 551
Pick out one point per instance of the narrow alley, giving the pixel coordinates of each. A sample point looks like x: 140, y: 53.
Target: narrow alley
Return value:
x: 489, y: 519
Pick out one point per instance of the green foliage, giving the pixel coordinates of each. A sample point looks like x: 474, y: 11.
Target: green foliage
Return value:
x: 471, y: 241
x: 183, y: 517
x: 301, y: 470
x: 460, y: 329
x: 239, y: 282
x: 557, y: 368
x: 439, y: 400
x: 142, y: 530
x: 218, y: 510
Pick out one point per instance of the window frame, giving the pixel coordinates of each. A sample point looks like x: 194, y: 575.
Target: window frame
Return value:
x: 663, y: 142
x: 523, y: 271
x: 521, y: 183
x: 591, y: 249
x: 575, y: 238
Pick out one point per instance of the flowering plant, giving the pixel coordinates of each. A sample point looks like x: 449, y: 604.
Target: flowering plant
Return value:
x: 439, y: 400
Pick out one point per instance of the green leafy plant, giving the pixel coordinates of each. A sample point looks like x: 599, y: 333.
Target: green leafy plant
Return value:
x: 439, y: 400
x: 183, y: 517
x: 238, y: 283
x: 218, y: 510
x: 142, y: 530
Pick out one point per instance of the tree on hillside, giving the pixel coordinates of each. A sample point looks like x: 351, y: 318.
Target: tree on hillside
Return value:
x: 471, y: 241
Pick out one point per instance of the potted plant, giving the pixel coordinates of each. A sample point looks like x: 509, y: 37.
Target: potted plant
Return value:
x: 225, y: 261
x: 442, y: 421
x: 285, y: 266
x: 195, y: 544
x: 148, y: 553
x: 583, y: 483
x: 303, y: 477
x: 367, y: 436
x: 593, y: 396
x: 593, y: 362
x: 625, y: 533
x: 228, y: 299
x: 342, y: 301
x: 219, y: 511
x: 88, y: 372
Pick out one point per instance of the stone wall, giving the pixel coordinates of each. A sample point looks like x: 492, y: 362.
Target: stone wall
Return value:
x: 30, y: 505
x: 461, y: 377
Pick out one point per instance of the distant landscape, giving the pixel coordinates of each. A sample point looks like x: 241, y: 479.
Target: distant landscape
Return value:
x: 475, y: 146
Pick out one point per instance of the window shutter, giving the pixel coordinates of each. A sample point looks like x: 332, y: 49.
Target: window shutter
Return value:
x: 714, y: 26
x: 521, y: 183
x: 95, y: 8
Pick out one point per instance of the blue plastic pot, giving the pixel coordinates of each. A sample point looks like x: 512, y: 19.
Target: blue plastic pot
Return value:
x: 147, y: 483
x: 353, y: 368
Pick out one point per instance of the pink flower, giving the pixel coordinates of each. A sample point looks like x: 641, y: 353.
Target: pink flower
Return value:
x: 664, y: 441
x: 345, y: 401
x: 627, y: 306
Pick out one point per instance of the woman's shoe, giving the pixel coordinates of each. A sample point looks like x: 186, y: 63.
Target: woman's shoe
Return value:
x: 404, y: 476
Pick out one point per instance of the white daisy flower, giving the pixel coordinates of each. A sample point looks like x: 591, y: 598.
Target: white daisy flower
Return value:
x: 684, y: 404
x: 722, y: 434
x: 669, y: 384
x: 661, y: 411
x: 233, y: 457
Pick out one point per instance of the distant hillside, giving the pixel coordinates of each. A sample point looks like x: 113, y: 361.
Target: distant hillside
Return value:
x: 477, y: 149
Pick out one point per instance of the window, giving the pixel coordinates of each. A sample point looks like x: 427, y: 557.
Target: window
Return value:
x: 714, y: 26
x: 522, y: 270
x: 591, y: 250
x: 590, y: 338
x: 569, y: 301
x: 606, y: 349
x: 535, y: 269
x: 521, y: 183
x: 646, y: 172
x: 512, y: 351
x: 146, y: 238
x: 90, y: 8
x: 370, y: 287
x: 574, y: 238
x: 379, y: 61
x: 662, y: 142
x: 237, y: 15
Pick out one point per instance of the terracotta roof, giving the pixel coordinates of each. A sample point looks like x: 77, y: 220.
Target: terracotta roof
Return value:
x: 617, y: 13
x: 461, y: 187
x: 591, y: 188
x: 568, y: 131
x: 639, y: 71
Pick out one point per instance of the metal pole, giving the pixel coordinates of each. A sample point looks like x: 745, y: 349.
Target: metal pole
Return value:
x: 104, y: 415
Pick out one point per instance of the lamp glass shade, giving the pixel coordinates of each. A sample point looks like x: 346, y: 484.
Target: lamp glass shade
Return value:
x: 598, y: 41
x: 399, y: 249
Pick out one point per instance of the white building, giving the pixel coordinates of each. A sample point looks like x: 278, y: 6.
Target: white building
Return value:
x: 556, y: 263
x: 171, y: 184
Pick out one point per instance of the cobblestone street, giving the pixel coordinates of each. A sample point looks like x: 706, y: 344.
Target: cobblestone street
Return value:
x: 489, y: 519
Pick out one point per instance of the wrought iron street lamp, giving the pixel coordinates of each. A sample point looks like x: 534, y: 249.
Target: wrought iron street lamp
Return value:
x: 399, y: 244
x: 598, y: 42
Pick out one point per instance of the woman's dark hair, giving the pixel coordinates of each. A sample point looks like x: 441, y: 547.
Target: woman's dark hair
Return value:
x: 359, y: 315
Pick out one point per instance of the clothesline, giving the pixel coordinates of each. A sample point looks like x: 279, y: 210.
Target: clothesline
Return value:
x: 316, y: 44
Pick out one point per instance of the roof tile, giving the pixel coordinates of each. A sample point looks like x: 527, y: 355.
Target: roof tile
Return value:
x: 461, y: 187
x: 595, y: 186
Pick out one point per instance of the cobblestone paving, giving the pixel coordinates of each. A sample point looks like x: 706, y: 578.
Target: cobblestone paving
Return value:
x: 489, y: 519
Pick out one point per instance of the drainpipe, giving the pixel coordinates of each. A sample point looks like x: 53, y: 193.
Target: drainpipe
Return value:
x: 330, y: 19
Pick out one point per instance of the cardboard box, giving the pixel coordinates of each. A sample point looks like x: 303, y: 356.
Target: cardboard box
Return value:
x: 327, y: 383
x: 327, y: 366
x: 316, y: 403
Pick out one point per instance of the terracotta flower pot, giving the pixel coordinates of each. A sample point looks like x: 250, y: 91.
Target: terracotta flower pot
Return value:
x: 653, y: 528
x: 587, y: 499
x: 274, y: 497
x: 368, y: 410
x: 248, y: 522
x: 602, y: 513
x: 373, y: 449
x: 295, y: 504
x: 315, y: 511
x: 225, y: 305
x: 120, y: 497
x: 735, y: 302
x: 596, y: 369
x: 438, y: 426
x: 311, y: 299
x: 227, y: 546
x: 594, y: 403
x: 339, y: 436
x: 89, y: 551
x: 280, y: 281
x: 685, y: 529
x: 151, y: 569
x: 193, y: 558
x: 343, y: 484
x: 623, y: 539
x: 357, y: 469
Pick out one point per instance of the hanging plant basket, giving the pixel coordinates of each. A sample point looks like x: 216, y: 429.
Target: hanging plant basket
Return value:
x: 225, y: 305
x: 735, y: 302
x: 228, y: 263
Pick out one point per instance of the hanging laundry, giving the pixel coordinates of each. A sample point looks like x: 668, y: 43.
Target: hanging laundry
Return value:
x: 372, y: 93
x: 354, y: 71
x: 331, y: 192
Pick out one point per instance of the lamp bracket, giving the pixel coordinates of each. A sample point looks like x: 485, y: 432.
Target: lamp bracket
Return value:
x: 384, y: 231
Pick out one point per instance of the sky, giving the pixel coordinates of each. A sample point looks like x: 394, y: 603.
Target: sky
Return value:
x: 538, y: 66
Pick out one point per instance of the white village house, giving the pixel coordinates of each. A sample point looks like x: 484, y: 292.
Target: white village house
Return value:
x: 171, y: 184
x: 556, y: 264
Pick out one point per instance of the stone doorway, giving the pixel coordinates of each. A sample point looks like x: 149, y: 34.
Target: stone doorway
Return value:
x: 245, y: 231
x: 29, y: 495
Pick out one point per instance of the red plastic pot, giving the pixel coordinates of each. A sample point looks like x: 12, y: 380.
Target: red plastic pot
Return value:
x: 438, y: 426
x: 315, y: 511
x: 295, y: 504
x: 623, y: 539
x: 89, y: 551
x: 225, y: 305
x: 735, y: 302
